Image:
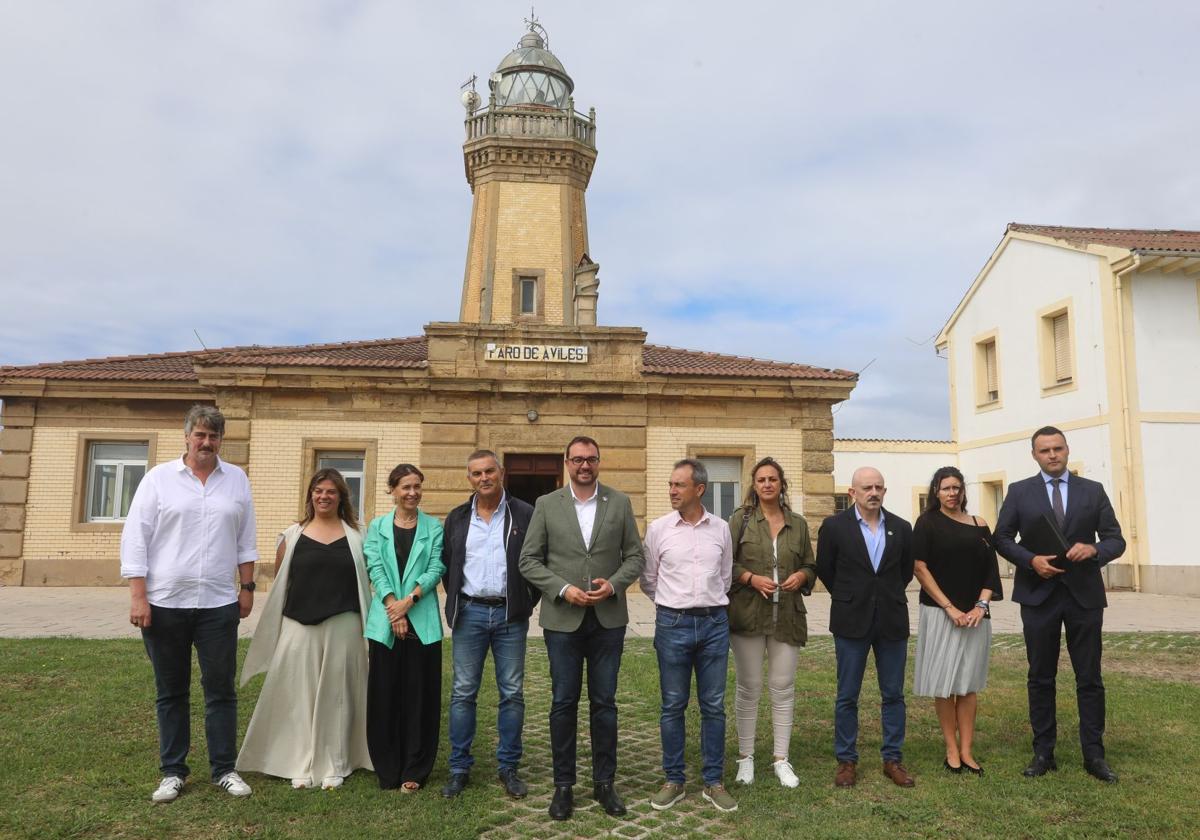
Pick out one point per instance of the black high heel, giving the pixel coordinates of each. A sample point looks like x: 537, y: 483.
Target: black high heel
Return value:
x: 951, y: 768
x: 975, y: 771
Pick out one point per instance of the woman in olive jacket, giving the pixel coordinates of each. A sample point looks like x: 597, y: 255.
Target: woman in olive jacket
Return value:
x: 773, y: 566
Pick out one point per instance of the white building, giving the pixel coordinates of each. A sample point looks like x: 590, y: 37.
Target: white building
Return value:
x: 1097, y: 332
x: 907, y: 467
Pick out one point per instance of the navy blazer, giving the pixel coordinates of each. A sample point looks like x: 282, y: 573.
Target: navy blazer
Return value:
x: 858, y: 593
x: 521, y: 596
x: 1090, y: 520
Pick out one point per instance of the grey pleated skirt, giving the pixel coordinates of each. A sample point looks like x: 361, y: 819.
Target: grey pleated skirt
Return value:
x: 950, y: 660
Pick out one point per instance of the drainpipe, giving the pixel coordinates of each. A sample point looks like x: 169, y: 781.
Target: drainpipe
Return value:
x: 1126, y: 423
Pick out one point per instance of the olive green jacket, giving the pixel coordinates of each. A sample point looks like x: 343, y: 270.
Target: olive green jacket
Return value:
x: 749, y: 612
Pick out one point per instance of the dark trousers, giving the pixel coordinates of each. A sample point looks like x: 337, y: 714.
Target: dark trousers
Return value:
x: 890, y: 658
x: 601, y: 649
x: 404, y: 713
x: 169, y: 641
x: 1043, y: 628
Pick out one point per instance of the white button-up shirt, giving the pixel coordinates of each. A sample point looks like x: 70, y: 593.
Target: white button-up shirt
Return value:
x: 585, y: 510
x: 187, y: 537
x: 688, y: 565
x: 485, y: 568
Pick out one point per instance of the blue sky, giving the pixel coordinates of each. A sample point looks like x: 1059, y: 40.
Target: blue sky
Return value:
x: 804, y: 182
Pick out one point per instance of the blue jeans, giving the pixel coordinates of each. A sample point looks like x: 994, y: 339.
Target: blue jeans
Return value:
x: 890, y: 658
x: 169, y: 640
x: 477, y: 629
x: 685, y: 643
x: 601, y: 648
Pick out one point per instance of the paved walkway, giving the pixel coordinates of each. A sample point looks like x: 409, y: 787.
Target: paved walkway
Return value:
x: 103, y: 613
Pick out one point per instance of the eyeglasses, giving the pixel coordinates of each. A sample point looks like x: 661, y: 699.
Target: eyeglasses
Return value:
x: 591, y: 461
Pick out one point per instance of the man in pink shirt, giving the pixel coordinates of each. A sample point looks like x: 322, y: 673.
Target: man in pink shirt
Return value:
x: 688, y: 572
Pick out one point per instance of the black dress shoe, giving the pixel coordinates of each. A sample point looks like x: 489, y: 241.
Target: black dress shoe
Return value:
x: 562, y: 806
x: 606, y: 795
x: 513, y: 785
x: 1040, y: 765
x: 1099, y: 768
x: 455, y: 786
x: 946, y: 763
x: 975, y: 771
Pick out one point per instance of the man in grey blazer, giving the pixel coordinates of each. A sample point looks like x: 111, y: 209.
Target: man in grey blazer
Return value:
x: 582, y: 550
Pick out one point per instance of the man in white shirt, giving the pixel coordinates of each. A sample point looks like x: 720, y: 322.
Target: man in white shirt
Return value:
x: 188, y: 536
x: 688, y: 573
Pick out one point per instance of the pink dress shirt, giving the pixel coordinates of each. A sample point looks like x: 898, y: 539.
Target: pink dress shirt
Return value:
x: 688, y: 565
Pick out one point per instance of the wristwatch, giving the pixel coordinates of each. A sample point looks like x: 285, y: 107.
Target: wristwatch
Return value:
x: 249, y: 587
x: 985, y: 606
x: 416, y: 596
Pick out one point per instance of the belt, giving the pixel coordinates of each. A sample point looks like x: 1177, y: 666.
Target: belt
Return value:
x: 487, y: 602
x: 696, y: 611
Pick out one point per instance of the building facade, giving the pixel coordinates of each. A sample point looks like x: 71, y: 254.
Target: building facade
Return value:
x: 525, y: 368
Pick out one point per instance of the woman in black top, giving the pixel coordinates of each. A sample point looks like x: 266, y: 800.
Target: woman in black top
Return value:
x: 956, y: 566
x: 310, y: 722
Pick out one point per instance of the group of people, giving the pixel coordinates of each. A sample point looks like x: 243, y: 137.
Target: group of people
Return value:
x: 331, y: 705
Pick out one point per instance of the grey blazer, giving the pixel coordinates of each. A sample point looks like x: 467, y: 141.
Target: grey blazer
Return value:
x: 554, y: 555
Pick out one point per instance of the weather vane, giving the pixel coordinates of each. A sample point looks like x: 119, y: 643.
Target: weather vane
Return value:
x: 536, y: 26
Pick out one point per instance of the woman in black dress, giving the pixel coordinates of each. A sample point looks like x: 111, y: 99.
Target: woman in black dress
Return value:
x: 956, y: 566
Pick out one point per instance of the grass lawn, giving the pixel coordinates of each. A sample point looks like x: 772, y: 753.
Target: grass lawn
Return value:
x: 78, y: 758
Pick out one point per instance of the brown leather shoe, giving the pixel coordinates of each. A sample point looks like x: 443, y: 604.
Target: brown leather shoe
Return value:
x: 847, y: 774
x: 895, y: 771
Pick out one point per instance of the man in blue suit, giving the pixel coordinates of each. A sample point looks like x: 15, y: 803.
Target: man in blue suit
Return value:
x: 1069, y: 594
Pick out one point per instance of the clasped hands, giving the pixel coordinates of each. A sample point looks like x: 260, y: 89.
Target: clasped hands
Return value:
x: 766, y: 587
x: 601, y: 590
x: 1078, y: 553
x: 397, y: 613
x: 971, y: 618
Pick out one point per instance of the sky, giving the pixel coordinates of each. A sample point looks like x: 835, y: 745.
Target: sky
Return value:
x: 807, y: 182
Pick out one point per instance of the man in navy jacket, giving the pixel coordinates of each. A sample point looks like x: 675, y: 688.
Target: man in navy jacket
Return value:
x: 488, y: 605
x: 1069, y: 594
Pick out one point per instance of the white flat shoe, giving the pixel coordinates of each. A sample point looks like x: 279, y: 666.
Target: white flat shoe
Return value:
x: 331, y: 782
x: 301, y: 784
x: 745, y: 771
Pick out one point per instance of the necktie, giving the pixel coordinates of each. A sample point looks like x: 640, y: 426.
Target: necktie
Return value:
x: 1060, y: 513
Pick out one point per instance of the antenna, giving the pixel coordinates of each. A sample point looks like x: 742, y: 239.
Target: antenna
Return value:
x: 471, y: 81
x: 535, y: 26
x: 198, y: 338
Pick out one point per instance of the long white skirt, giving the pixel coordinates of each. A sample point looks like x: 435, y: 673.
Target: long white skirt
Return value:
x: 311, y: 718
x: 950, y: 660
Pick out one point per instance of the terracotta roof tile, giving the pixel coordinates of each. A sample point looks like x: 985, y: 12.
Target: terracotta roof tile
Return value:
x: 394, y: 353
x: 673, y: 360
x: 1135, y: 240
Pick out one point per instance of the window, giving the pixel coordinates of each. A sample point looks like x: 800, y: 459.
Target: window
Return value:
x: 352, y: 466
x: 114, y: 471
x: 1056, y: 340
x: 922, y: 501
x: 528, y: 295
x: 724, y: 491
x: 841, y: 502
x: 987, y: 371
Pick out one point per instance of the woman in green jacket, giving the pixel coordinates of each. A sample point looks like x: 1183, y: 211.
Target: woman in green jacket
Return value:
x: 404, y: 631
x: 773, y: 566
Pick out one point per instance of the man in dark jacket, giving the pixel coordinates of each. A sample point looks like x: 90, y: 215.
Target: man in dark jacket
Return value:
x: 488, y: 605
x: 865, y: 560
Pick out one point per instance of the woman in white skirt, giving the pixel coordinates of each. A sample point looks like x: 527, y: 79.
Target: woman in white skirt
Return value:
x: 957, y: 568
x: 310, y: 723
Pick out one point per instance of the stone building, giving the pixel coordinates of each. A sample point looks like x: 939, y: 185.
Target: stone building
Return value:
x: 525, y: 368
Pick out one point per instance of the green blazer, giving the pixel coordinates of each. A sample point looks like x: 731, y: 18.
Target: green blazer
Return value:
x: 424, y: 567
x: 554, y: 555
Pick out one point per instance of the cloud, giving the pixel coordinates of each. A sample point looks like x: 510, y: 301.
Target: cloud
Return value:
x: 814, y: 184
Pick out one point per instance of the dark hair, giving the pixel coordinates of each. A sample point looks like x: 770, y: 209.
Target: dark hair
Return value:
x: 699, y: 471
x: 483, y: 453
x: 401, y: 470
x: 752, y: 497
x: 932, y: 502
x: 1046, y: 431
x: 584, y: 439
x: 345, y: 509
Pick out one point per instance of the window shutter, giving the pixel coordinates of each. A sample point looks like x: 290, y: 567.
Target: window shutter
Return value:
x: 989, y: 365
x: 1062, y: 349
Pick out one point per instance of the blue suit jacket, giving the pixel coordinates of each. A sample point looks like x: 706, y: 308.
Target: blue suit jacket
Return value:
x: 1090, y: 520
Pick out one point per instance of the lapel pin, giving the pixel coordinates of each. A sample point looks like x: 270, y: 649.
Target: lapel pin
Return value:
x: 889, y: 533
x: 604, y: 498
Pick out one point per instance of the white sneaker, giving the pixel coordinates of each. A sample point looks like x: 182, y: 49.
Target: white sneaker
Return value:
x: 301, y: 784
x: 331, y: 782
x: 233, y: 784
x: 745, y: 771
x: 168, y: 789
x: 784, y: 772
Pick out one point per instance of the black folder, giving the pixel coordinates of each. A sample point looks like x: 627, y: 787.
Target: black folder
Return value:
x: 1045, y: 537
